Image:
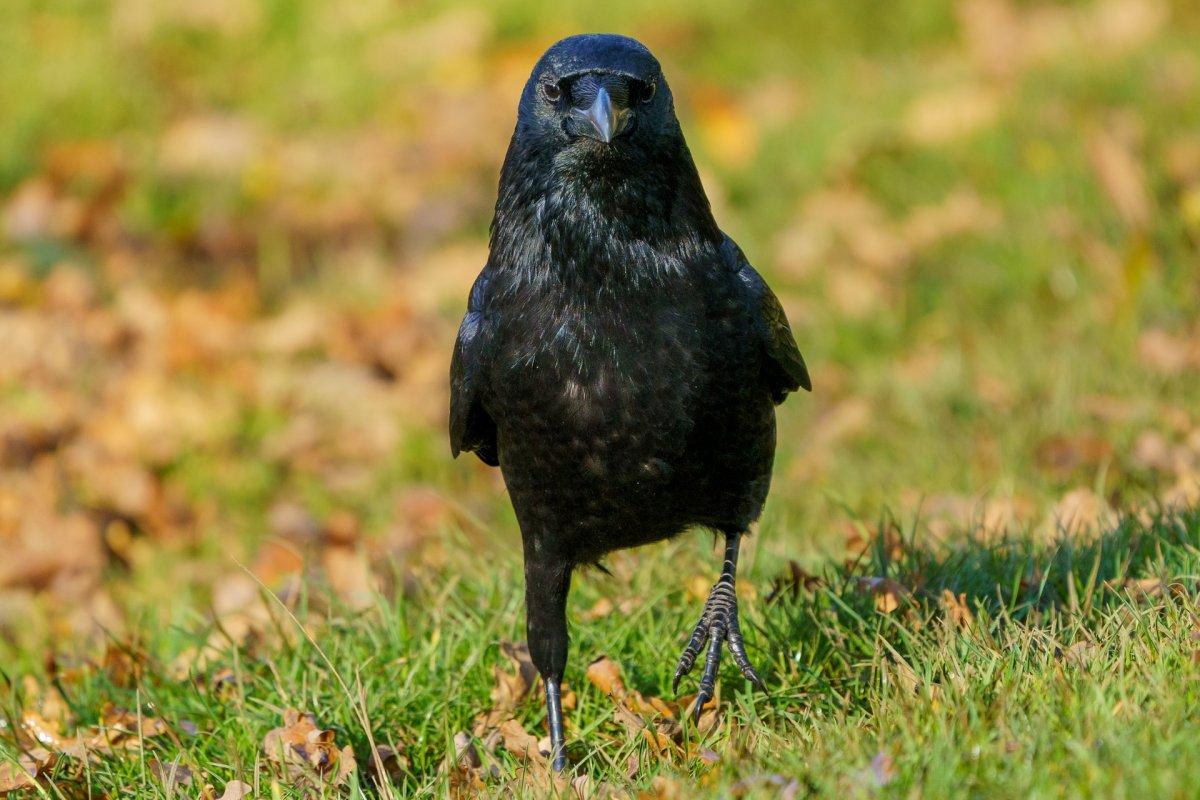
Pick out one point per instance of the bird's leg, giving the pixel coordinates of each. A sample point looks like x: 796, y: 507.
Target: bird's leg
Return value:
x: 547, y: 581
x: 718, y: 624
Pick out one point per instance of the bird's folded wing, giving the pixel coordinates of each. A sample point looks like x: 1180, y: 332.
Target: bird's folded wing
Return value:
x: 785, y: 370
x: 470, y: 426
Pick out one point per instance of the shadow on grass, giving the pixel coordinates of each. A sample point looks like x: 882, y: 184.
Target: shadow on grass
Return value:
x: 830, y: 635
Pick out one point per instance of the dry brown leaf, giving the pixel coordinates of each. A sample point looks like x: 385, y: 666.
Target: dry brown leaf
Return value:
x: 599, y: 610
x: 605, y: 675
x: 1080, y: 512
x: 956, y: 609
x: 1122, y: 177
x: 1063, y: 455
x: 125, y: 728
x: 208, y: 146
x: 173, y: 776
x: 1080, y: 654
x: 889, y: 594
x: 237, y: 790
x: 944, y: 116
x: 794, y: 580
x: 855, y: 293
x: 510, y: 688
x: 394, y: 764
x: 31, y: 764
x: 302, y: 749
x: 1168, y: 353
x: 698, y: 588
x: 520, y: 742
x: 465, y: 753
x: 1145, y: 588
x: 464, y: 768
x: 348, y: 573
x: 277, y: 560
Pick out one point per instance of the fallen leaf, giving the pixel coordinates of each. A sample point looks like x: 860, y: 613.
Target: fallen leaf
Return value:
x: 946, y: 115
x: 955, y: 608
x: 1168, y: 353
x: 302, y: 749
x: 276, y: 561
x: 120, y: 726
x: 393, y: 763
x: 605, y: 675
x: 889, y: 594
x: 237, y: 790
x: 1080, y: 654
x: 1145, y: 588
x: 208, y: 146
x: 663, y: 788
x: 520, y: 742
x: 1121, y: 176
x: 509, y: 688
x: 350, y: 576
x: 794, y: 579
x: 173, y: 776
x: 31, y: 764
x: 600, y: 609
x: 1063, y: 455
x: 1080, y: 512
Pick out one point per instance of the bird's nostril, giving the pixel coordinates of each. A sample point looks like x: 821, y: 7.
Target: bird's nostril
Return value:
x: 585, y: 88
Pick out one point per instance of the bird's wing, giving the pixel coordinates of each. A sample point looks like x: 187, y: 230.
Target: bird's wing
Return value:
x: 784, y: 370
x: 470, y: 426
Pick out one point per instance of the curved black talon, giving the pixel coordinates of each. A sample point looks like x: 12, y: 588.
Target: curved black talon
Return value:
x: 718, y: 625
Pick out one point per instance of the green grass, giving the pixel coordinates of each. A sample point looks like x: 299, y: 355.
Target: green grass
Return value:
x: 1065, y: 683
x: 954, y: 375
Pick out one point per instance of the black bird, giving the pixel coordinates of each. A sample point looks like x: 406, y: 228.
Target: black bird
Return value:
x: 620, y: 360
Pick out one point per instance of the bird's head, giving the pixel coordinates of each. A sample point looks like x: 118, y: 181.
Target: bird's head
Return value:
x: 596, y: 96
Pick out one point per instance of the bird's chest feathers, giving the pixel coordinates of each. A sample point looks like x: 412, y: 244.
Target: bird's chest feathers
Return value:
x: 612, y: 352
x: 617, y: 380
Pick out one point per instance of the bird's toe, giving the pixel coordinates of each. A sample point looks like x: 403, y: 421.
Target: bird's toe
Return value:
x: 718, y: 626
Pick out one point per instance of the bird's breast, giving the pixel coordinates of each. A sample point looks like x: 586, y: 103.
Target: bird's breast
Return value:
x: 605, y: 395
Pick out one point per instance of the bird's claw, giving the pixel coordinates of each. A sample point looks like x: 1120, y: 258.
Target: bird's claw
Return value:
x: 718, y: 625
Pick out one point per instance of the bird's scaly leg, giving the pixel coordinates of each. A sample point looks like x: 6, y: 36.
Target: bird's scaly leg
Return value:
x: 547, y: 582
x: 718, y: 624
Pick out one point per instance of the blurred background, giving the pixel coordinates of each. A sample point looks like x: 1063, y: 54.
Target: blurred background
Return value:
x: 236, y: 238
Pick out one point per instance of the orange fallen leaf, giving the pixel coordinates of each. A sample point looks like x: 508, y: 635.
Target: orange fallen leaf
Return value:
x: 605, y: 675
x: 31, y: 765
x: 889, y: 594
x: 520, y: 742
x: 955, y: 608
x: 663, y: 788
x: 301, y: 748
x: 600, y: 609
x: 1121, y: 176
x: 509, y: 688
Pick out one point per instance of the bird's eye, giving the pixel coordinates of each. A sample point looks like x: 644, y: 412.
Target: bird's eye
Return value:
x: 648, y: 92
x: 552, y: 91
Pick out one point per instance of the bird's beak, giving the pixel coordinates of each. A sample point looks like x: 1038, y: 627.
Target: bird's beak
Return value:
x: 606, y: 119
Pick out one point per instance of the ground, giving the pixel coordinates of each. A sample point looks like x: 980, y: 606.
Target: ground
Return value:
x: 235, y: 242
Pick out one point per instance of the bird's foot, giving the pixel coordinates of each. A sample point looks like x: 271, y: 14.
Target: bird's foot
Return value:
x: 718, y: 625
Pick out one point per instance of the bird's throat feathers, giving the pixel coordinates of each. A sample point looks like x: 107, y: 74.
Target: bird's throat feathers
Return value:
x: 597, y: 217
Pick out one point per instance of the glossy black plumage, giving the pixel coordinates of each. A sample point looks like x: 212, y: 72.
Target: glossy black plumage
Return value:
x: 619, y: 359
